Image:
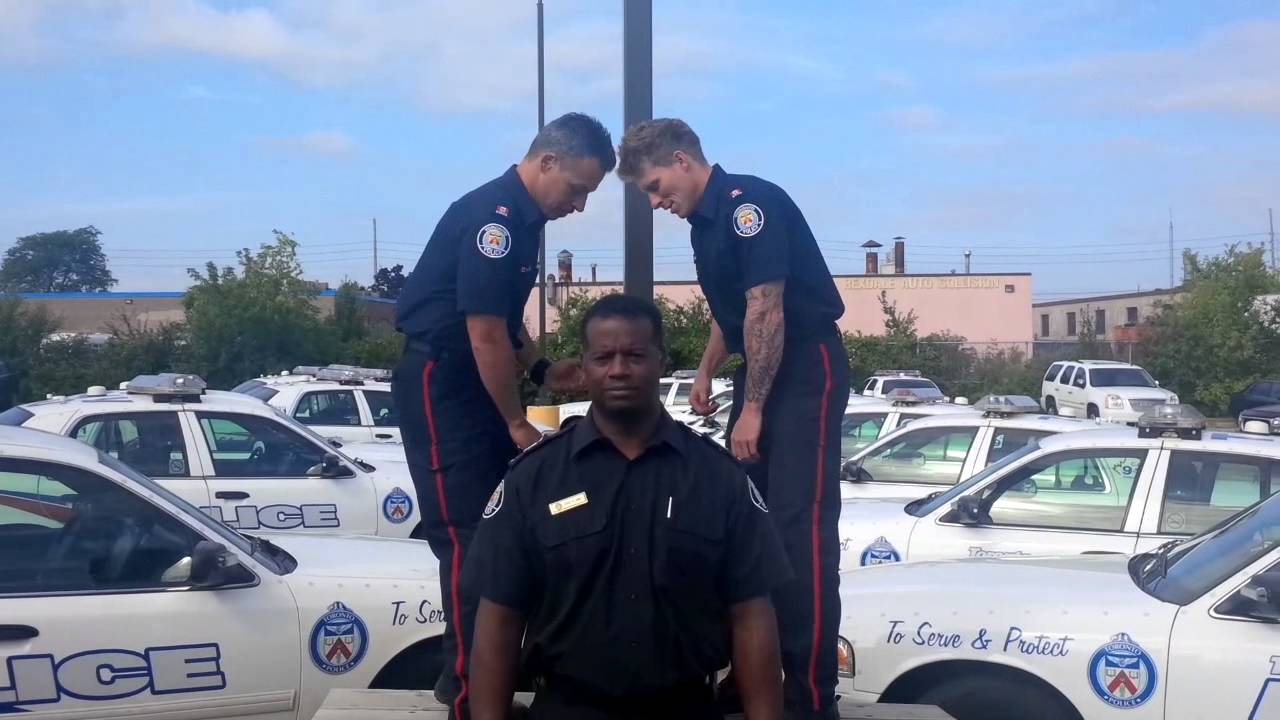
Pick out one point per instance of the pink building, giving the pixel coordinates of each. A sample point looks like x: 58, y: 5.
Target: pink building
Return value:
x: 982, y: 308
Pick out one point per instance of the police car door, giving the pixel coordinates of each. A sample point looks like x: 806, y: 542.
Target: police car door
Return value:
x: 382, y: 413
x: 1224, y: 654
x: 332, y: 414
x: 265, y: 475
x: 154, y: 442
x: 1073, y: 501
x: 99, y: 617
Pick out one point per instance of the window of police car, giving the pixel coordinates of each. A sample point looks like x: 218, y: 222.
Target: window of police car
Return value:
x: 383, y: 408
x: 151, y: 442
x: 1005, y: 441
x: 858, y: 431
x: 64, y: 529
x: 932, y: 456
x: 1202, y: 489
x: 1072, y: 490
x: 328, y: 407
x: 247, y: 446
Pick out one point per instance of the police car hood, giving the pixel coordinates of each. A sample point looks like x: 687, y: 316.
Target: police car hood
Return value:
x: 357, y: 556
x: 1079, y: 583
x: 375, y: 453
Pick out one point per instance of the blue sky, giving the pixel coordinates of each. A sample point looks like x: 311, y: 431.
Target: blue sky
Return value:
x: 1050, y: 138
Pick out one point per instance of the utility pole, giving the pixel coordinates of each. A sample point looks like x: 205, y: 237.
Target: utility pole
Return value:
x: 1271, y: 220
x: 637, y: 105
x: 375, y: 249
x: 1171, y: 277
x: 542, y: 234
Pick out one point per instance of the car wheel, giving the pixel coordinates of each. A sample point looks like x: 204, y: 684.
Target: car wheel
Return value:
x: 1093, y: 412
x: 991, y: 697
x: 1051, y: 406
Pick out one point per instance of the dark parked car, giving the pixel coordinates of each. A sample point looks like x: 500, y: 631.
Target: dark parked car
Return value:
x: 1262, y: 392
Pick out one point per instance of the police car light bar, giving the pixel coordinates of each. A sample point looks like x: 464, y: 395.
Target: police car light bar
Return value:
x: 899, y: 373
x: 167, y: 385
x: 1171, y: 421
x: 312, y: 370
x: 684, y: 374
x: 998, y: 405
x: 913, y: 396
x: 364, y: 373
x: 345, y: 377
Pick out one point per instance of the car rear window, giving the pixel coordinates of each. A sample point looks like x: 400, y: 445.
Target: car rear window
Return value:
x: 15, y: 416
x: 263, y: 392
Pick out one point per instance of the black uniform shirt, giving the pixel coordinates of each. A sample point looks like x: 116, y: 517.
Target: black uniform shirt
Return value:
x: 747, y: 232
x: 625, y: 570
x: 482, y: 259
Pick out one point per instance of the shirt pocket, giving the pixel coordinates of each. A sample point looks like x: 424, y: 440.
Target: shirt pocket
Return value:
x: 575, y: 541
x: 690, y: 553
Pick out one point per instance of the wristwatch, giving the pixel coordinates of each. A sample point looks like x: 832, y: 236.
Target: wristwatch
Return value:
x: 538, y: 371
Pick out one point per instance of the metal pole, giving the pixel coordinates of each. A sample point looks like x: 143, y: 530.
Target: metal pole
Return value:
x: 1271, y: 220
x: 542, y: 234
x: 375, y: 249
x: 637, y: 105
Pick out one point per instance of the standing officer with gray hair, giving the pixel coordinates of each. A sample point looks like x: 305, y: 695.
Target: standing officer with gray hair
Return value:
x: 457, y: 383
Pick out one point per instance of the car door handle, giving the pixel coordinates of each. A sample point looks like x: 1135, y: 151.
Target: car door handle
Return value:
x: 382, y: 436
x: 18, y: 632
x: 231, y: 495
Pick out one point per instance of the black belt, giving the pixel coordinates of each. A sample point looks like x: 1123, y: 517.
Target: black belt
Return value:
x: 419, y: 346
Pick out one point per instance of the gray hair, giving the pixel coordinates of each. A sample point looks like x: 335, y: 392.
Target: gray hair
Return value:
x: 576, y: 135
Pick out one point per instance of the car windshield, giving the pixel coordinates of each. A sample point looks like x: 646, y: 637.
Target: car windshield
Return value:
x: 943, y: 499
x: 231, y: 536
x: 1202, y: 563
x: 1120, y: 377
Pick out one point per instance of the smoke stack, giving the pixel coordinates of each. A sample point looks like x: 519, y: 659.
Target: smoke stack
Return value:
x: 564, y: 260
x: 899, y: 255
x: 873, y: 258
x: 967, y: 255
x: 593, y: 272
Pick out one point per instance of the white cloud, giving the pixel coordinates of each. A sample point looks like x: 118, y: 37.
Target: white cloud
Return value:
x: 1230, y: 70
x: 327, y: 143
x: 913, y: 117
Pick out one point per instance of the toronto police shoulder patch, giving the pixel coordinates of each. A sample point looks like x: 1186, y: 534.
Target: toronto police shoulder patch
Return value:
x: 495, y: 500
x: 748, y: 220
x: 494, y: 240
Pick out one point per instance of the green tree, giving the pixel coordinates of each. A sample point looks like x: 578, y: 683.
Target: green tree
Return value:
x: 60, y: 261
x: 23, y: 327
x: 259, y: 318
x: 1213, y: 341
x: 348, y: 319
x: 388, y: 282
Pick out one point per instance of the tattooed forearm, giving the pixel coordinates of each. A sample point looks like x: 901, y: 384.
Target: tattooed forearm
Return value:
x: 763, y: 334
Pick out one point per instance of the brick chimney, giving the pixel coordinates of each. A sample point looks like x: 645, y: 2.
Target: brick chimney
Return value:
x: 873, y: 257
x: 899, y: 255
x: 564, y: 261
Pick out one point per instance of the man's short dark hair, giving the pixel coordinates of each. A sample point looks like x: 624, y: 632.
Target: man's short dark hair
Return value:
x: 654, y: 142
x: 576, y: 135
x: 617, y: 305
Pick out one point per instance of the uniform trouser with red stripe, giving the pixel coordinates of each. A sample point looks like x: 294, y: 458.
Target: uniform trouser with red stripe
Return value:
x: 458, y: 450
x: 799, y: 475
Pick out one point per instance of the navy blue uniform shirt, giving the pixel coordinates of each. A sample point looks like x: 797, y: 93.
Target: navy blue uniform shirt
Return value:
x: 626, y: 569
x: 482, y: 259
x: 747, y: 232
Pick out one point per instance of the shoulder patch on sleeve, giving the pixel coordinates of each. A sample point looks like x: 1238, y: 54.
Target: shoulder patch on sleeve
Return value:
x: 494, y: 240
x: 503, y: 210
x: 495, y: 501
x: 748, y: 219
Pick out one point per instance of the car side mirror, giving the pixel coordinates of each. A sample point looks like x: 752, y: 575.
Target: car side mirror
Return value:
x: 330, y: 467
x: 1258, y: 600
x: 852, y: 472
x: 966, y: 510
x: 212, y: 565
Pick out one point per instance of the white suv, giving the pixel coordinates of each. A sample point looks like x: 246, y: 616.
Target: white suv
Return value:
x: 1101, y: 389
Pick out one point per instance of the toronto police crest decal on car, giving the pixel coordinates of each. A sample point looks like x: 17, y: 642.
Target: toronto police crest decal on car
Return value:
x: 880, y: 552
x: 1122, y: 674
x: 494, y: 240
x: 495, y: 501
x: 748, y: 220
x: 339, y: 640
x: 397, y: 506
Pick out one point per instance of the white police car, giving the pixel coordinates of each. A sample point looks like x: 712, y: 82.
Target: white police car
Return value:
x: 884, y: 382
x: 1107, y: 490
x: 673, y: 391
x: 937, y: 452
x: 1187, y: 630
x: 233, y: 456
x: 343, y: 402
x: 873, y: 418
x: 118, y: 599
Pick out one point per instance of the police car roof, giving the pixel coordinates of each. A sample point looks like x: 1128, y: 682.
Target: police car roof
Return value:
x: 875, y: 404
x: 1037, y: 421
x: 286, y: 380
x: 113, y: 400
x: 25, y: 443
x: 1125, y: 436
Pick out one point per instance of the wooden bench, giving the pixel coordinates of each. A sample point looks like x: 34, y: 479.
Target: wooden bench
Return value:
x: 346, y: 704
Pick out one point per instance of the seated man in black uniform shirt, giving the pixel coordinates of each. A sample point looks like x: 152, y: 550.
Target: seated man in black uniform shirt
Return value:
x: 633, y: 556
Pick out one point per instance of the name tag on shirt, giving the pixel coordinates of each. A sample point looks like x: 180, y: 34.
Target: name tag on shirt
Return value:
x: 568, y: 503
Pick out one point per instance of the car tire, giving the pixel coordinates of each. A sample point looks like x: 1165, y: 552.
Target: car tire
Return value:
x: 1051, y: 406
x: 981, y: 696
x: 1093, y: 413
